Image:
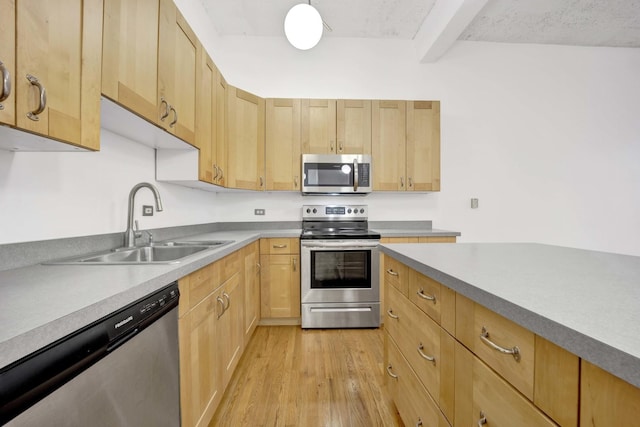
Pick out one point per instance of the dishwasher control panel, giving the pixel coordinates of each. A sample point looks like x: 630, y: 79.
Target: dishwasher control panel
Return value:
x: 138, y: 314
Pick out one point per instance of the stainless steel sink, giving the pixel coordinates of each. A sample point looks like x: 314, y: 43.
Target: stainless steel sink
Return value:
x: 165, y: 253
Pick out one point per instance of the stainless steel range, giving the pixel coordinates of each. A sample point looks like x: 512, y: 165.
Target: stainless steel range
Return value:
x: 340, y: 285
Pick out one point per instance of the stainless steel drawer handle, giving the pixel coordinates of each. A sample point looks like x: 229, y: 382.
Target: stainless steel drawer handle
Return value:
x: 419, y: 423
x: 390, y: 314
x: 226, y: 296
x: 424, y: 356
x: 279, y: 246
x: 391, y: 374
x: 165, y: 113
x: 422, y: 295
x: 6, y: 84
x: 391, y: 272
x: 483, y: 420
x: 222, y: 305
x: 175, y: 116
x: 33, y: 115
x: 514, y: 351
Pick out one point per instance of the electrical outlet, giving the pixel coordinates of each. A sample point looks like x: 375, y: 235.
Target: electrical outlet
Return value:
x: 147, y: 210
x: 258, y: 211
x: 474, y: 203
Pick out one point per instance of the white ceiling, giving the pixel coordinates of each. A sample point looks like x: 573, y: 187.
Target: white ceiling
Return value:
x: 614, y: 23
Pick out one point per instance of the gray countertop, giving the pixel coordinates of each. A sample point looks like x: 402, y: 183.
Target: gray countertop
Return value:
x: 40, y: 304
x: 587, y: 302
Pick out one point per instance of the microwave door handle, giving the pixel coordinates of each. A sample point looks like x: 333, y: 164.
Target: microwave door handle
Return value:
x: 355, y: 175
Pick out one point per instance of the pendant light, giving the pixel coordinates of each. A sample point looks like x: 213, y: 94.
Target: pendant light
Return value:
x: 303, y: 26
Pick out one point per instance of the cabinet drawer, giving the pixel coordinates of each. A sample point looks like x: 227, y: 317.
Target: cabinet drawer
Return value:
x: 396, y: 275
x: 413, y: 402
x: 483, y: 331
x: 417, y: 337
x: 229, y: 266
x: 480, y: 392
x: 425, y: 293
x: 279, y: 246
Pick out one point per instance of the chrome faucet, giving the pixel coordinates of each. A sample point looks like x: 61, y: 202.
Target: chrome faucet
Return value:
x: 130, y: 235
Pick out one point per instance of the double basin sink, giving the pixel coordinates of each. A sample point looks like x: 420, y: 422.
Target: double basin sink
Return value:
x: 162, y: 253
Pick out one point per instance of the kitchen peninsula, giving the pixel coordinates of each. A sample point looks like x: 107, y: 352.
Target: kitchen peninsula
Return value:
x: 523, y: 310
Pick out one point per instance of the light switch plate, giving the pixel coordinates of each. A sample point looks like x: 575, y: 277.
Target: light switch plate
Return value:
x: 147, y: 210
x: 474, y: 203
x: 258, y: 212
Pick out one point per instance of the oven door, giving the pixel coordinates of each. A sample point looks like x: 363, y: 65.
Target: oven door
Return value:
x: 339, y: 271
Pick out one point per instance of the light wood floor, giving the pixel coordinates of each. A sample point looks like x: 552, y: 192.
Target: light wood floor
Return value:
x: 294, y: 377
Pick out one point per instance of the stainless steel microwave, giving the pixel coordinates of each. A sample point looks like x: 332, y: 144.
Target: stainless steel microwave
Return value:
x: 336, y: 174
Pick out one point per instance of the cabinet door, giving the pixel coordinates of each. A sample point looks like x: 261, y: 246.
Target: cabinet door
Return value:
x: 245, y: 158
x: 200, y: 363
x: 388, y: 145
x: 283, y: 162
x: 318, y: 126
x: 423, y: 146
x: 177, y: 55
x: 7, y: 62
x: 280, y: 286
x: 130, y: 55
x: 354, y: 126
x: 59, y: 53
x: 251, y: 289
x: 231, y: 326
x: 205, y: 115
x: 606, y: 400
x: 481, y: 393
x: 220, y: 164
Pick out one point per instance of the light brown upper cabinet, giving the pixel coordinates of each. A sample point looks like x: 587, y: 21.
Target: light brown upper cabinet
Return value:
x: 7, y: 61
x: 50, y: 54
x: 423, y: 145
x: 354, y: 126
x: 219, y: 154
x: 336, y: 127
x: 206, y: 75
x: 318, y: 131
x: 130, y: 55
x: 389, y: 145
x: 283, y: 144
x: 245, y: 144
x: 406, y: 145
x: 177, y: 53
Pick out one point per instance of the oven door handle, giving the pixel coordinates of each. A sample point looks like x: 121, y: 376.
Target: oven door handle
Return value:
x: 340, y: 245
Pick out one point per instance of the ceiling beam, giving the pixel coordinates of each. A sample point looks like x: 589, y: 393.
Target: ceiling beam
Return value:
x: 442, y: 27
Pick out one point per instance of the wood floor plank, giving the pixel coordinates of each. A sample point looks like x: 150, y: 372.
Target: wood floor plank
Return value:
x: 294, y: 377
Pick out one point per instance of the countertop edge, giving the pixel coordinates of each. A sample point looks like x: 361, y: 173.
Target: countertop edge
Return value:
x: 612, y: 360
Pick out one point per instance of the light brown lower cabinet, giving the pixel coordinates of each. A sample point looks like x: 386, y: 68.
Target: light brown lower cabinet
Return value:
x: 442, y: 341
x: 415, y: 405
x: 211, y: 336
x: 280, y: 279
x: 606, y: 400
x: 252, y: 267
x: 414, y: 239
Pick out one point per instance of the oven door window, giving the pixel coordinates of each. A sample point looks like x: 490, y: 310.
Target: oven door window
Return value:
x: 340, y: 269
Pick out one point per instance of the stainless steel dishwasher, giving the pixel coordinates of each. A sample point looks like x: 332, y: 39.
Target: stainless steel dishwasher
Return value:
x: 122, y: 370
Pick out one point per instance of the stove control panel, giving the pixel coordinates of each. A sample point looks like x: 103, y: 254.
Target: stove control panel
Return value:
x: 335, y: 212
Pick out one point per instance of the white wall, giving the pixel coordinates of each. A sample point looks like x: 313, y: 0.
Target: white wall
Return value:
x: 547, y: 137
x: 54, y: 195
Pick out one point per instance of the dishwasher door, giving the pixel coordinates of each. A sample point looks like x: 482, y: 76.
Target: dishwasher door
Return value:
x: 135, y: 383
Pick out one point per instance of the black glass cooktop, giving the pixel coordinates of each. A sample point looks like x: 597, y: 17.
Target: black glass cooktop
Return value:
x: 338, y: 233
